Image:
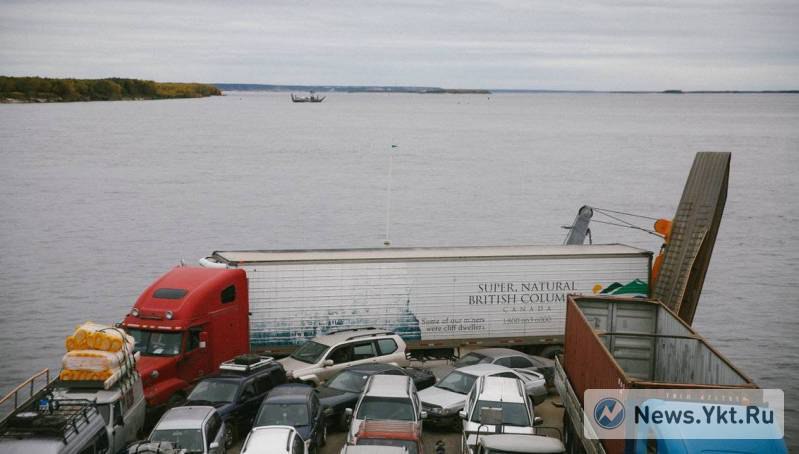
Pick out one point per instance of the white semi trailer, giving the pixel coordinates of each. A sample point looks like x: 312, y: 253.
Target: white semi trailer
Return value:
x: 438, y: 299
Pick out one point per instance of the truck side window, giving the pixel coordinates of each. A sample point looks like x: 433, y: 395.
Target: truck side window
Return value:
x: 194, y: 339
x: 263, y: 384
x: 387, y: 346
x: 520, y: 362
x: 363, y: 350
x: 341, y: 354
x: 228, y: 295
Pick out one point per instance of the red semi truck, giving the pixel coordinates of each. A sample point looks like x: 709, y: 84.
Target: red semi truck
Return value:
x: 185, y: 324
x: 193, y: 318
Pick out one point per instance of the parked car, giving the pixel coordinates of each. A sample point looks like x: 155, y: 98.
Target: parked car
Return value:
x: 444, y: 400
x: 64, y: 427
x: 404, y: 434
x: 510, y: 358
x: 508, y: 398
x: 386, y: 397
x: 122, y: 407
x: 373, y: 450
x: 344, y: 389
x: 274, y: 440
x: 518, y: 444
x: 237, y: 391
x: 197, y: 429
x: 295, y: 405
x: 319, y: 359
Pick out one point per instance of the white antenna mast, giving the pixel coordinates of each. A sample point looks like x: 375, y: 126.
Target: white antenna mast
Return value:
x: 387, y: 241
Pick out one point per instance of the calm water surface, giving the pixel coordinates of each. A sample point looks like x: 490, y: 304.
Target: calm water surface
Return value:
x: 98, y: 199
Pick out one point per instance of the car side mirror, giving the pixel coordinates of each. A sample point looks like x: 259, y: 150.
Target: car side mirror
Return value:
x: 462, y: 414
x: 537, y: 421
x: 328, y: 363
x: 203, y: 339
x: 348, y: 412
x: 423, y: 414
x: 214, y: 446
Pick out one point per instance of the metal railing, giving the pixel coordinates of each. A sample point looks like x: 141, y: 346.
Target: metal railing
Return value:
x: 30, y: 386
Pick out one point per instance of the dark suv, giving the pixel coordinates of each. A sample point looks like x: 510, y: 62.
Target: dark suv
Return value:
x: 237, y: 391
x: 296, y: 405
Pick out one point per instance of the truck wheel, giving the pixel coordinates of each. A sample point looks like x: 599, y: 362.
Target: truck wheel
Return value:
x: 551, y: 352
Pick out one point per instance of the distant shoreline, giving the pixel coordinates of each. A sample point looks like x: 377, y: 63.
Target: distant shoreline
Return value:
x: 439, y: 90
x: 24, y: 90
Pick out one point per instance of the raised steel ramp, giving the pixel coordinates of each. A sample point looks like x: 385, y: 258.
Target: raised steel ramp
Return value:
x: 693, y: 234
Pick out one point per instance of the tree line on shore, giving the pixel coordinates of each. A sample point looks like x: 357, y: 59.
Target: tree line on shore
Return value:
x: 39, y: 89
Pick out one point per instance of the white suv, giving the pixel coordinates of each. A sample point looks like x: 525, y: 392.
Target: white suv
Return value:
x: 508, y: 400
x: 386, y: 397
x: 319, y: 359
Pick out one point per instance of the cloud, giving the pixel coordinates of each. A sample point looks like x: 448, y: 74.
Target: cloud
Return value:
x: 592, y: 44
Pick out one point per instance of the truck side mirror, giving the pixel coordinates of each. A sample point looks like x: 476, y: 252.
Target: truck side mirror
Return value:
x: 203, y: 339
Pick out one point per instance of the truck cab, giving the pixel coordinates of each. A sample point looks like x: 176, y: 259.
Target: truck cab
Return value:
x: 122, y: 407
x: 185, y: 325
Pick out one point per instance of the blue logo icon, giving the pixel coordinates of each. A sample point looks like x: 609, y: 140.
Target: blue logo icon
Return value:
x: 609, y: 413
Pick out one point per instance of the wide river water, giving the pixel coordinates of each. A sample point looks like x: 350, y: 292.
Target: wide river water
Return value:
x: 98, y: 199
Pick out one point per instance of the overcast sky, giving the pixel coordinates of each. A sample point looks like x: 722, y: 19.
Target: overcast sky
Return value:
x: 546, y: 44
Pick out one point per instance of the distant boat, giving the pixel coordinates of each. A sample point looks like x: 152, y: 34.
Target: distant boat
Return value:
x: 312, y: 98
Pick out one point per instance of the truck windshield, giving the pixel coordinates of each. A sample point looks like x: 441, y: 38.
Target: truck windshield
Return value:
x: 214, y: 391
x: 385, y: 408
x: 310, y: 352
x: 283, y: 415
x: 471, y: 359
x: 513, y: 414
x: 457, y: 382
x: 348, y: 381
x: 189, y: 439
x: 156, y: 343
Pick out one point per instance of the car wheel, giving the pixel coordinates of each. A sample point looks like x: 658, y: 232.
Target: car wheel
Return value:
x: 230, y: 436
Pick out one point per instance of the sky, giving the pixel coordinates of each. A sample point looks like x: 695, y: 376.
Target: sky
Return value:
x: 533, y: 44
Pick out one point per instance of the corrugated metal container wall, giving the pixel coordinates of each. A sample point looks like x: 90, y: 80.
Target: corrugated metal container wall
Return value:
x: 586, y: 361
x: 691, y: 361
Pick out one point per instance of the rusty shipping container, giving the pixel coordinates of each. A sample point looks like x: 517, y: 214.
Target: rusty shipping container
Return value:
x: 619, y: 343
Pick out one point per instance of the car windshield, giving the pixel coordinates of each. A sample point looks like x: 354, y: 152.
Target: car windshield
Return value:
x: 385, y: 408
x: 348, y: 381
x: 214, y: 391
x: 310, y: 352
x: 189, y: 439
x: 471, y: 359
x: 283, y: 415
x: 155, y: 343
x: 457, y: 382
x: 407, y: 444
x: 513, y: 414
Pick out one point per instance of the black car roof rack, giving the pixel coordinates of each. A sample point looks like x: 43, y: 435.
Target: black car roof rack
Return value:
x: 62, y: 418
